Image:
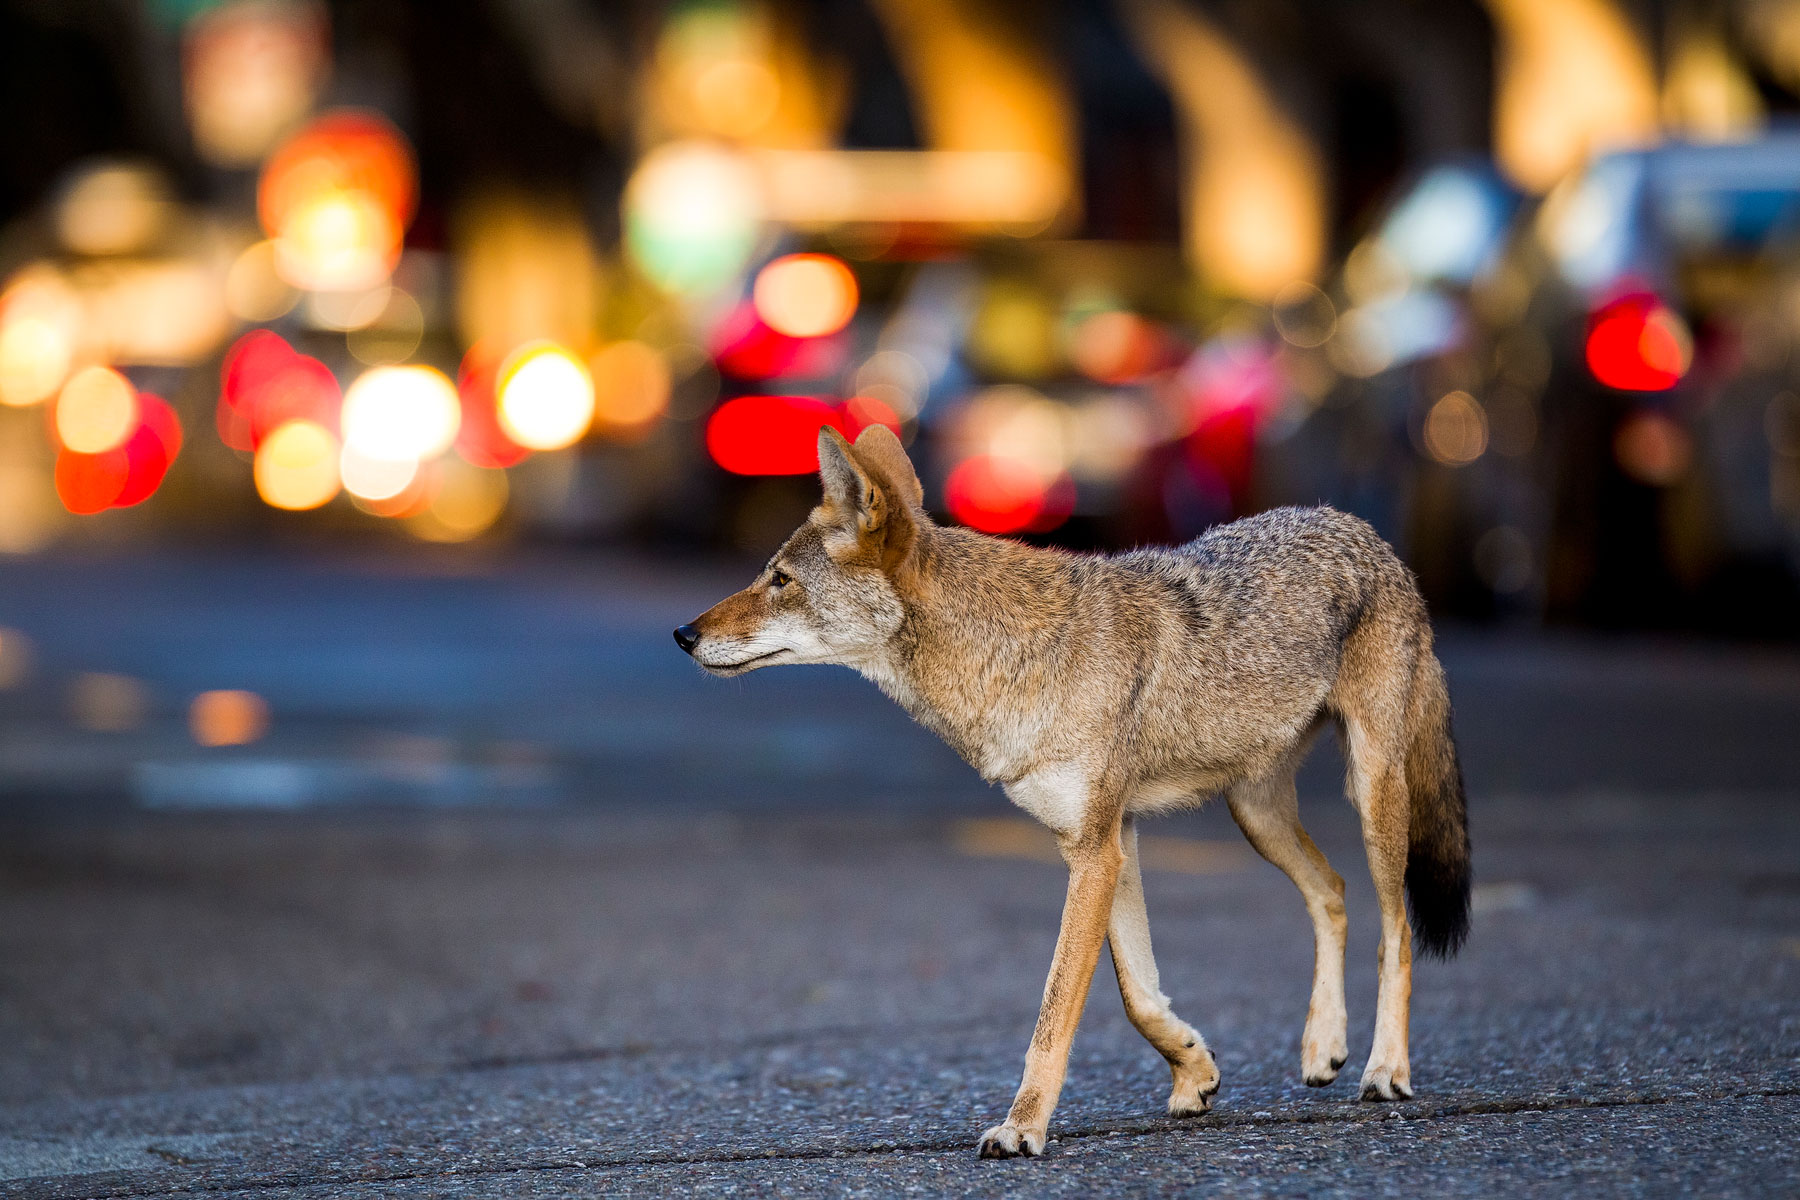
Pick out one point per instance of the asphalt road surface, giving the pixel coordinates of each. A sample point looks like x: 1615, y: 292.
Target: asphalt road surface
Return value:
x: 511, y: 901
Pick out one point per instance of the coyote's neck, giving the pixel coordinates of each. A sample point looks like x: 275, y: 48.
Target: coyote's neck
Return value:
x: 986, y: 628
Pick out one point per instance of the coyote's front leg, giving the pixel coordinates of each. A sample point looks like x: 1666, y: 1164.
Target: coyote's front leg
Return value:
x: 1094, y: 857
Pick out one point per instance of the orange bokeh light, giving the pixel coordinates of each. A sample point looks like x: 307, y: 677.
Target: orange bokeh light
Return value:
x: 91, y: 483
x: 806, y: 295
x: 228, y: 718
x: 337, y: 198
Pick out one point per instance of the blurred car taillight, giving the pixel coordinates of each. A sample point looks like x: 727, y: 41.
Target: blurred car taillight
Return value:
x: 1636, y: 343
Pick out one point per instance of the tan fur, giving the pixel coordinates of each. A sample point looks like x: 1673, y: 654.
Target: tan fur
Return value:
x: 1096, y: 690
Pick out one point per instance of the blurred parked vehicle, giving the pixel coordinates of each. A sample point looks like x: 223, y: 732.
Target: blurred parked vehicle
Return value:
x: 1580, y: 409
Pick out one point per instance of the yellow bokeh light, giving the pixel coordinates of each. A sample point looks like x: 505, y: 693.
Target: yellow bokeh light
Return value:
x: 546, y: 397
x: 806, y: 295
x: 113, y: 209
x: 1572, y: 78
x: 735, y: 97
x: 228, y: 718
x: 397, y: 414
x: 297, y: 466
x: 96, y: 410
x: 465, y: 504
x: 631, y: 385
x: 34, y: 360
x: 375, y: 478
x: 340, y: 241
x: 41, y: 317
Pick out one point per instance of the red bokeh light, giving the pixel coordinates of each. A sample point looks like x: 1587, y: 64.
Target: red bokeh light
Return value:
x: 150, y: 450
x: 480, y: 439
x: 1000, y: 495
x: 769, y: 435
x: 1636, y: 344
x: 265, y: 383
x: 859, y: 412
x: 779, y: 435
x: 747, y: 348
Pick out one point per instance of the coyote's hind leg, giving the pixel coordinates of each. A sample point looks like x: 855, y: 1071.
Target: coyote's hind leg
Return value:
x: 1372, y: 692
x: 1190, y: 1062
x: 1269, y: 814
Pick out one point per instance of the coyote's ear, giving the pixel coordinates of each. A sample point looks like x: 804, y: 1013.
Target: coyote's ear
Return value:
x: 879, y: 449
x: 851, y: 493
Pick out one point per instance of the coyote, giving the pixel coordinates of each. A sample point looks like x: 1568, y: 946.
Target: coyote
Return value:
x: 1100, y: 689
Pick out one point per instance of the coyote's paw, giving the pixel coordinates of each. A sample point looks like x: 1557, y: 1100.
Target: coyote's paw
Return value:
x: 1195, y: 1086
x: 1386, y: 1083
x: 1319, y: 1063
x: 1009, y: 1141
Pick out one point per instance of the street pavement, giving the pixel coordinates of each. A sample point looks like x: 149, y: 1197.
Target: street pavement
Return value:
x: 512, y: 901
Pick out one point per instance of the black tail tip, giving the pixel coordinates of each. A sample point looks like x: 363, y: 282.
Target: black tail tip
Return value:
x: 1439, y: 901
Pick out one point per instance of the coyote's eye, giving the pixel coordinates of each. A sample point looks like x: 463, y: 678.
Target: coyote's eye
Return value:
x: 780, y: 579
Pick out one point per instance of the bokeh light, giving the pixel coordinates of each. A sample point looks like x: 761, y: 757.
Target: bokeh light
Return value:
x: 1455, y: 432
x: 465, y: 502
x: 106, y: 702
x: 337, y: 198
x: 398, y: 414
x: 806, y: 295
x: 40, y: 319
x: 228, y: 718
x: 1003, y: 495
x: 546, y: 397
x: 249, y: 72
x: 374, y: 478
x: 692, y: 211
x: 254, y: 289
x: 769, y: 435
x: 1636, y: 344
x: 481, y: 440
x: 631, y: 386
x: 112, y: 208
x: 1653, y: 448
x: 296, y: 466
x: 149, y: 451
x: 91, y: 483
x: 265, y: 383
x: 1116, y: 346
x: 95, y: 411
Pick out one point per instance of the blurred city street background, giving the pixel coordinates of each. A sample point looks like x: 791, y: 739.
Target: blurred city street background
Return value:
x: 379, y: 384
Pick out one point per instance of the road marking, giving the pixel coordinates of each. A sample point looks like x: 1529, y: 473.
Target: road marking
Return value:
x: 1011, y: 837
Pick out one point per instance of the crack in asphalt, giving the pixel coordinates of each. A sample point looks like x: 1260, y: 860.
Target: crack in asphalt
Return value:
x: 1144, y: 1128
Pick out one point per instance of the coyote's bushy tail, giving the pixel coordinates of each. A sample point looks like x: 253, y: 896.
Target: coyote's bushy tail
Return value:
x: 1437, y: 855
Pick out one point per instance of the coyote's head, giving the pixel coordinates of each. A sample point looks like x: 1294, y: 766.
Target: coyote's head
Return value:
x: 829, y: 594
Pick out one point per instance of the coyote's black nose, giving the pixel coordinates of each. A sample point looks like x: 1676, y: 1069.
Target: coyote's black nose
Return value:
x: 687, y: 637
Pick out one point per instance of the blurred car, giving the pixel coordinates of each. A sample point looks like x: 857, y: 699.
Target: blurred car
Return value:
x: 1579, y: 409
x: 1673, y: 301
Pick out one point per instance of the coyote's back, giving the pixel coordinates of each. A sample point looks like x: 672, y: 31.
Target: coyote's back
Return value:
x: 1314, y: 598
